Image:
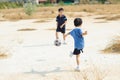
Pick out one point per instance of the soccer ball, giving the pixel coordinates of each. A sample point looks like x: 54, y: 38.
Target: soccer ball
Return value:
x: 57, y: 42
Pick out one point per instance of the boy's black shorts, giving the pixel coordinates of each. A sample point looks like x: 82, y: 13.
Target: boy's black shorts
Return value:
x: 77, y: 51
x: 62, y: 30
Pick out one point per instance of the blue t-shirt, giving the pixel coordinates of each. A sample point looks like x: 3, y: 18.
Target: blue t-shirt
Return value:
x: 78, y: 38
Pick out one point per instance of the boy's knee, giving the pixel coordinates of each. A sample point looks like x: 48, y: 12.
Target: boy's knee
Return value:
x: 78, y: 55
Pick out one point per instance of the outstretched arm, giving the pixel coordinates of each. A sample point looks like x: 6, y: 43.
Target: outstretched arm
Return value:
x: 67, y: 34
x: 63, y: 24
x: 85, y: 33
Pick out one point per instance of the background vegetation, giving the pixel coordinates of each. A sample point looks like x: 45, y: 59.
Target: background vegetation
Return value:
x: 18, y: 4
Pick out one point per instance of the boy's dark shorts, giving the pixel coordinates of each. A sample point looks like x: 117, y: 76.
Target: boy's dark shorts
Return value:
x: 62, y: 30
x: 77, y: 51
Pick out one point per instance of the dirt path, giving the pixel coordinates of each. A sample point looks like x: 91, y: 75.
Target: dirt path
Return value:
x: 34, y: 57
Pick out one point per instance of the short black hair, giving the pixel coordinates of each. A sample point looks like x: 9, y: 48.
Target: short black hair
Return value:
x: 60, y: 9
x: 77, y: 22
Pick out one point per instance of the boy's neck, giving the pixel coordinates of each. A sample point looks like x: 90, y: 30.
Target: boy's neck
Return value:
x: 60, y: 15
x: 78, y: 26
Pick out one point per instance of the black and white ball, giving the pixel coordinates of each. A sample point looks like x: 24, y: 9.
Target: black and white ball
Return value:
x: 57, y: 42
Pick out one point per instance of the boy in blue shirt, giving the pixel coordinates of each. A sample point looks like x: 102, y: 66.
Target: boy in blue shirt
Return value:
x: 61, y: 23
x: 77, y: 35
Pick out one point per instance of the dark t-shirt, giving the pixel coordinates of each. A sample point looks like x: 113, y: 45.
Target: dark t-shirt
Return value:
x: 61, y: 20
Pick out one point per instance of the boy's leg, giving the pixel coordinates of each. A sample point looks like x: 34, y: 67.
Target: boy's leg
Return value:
x: 64, y: 39
x: 64, y: 36
x: 78, y: 60
x: 77, y: 53
x: 57, y: 35
x: 63, y: 32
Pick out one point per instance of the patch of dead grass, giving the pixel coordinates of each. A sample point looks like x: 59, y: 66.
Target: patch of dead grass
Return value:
x: 113, y: 47
x: 109, y: 17
x: 27, y: 29
x: 101, y: 22
x: 3, y: 56
x: 51, y: 12
x: 72, y: 14
x: 4, y: 52
x: 116, y: 17
x: 2, y: 20
x: 103, y: 17
x: 42, y: 20
x: 94, y: 73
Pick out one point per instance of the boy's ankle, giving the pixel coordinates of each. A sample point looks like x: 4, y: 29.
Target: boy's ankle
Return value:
x: 78, y: 66
x: 64, y: 42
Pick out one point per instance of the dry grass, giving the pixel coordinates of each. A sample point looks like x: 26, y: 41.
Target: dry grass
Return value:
x: 3, y: 56
x: 115, y: 17
x: 40, y: 21
x: 4, y: 52
x: 102, y: 9
x: 51, y: 12
x: 93, y: 73
x: 26, y: 29
x: 101, y: 22
x: 43, y: 20
x: 75, y: 14
x: 113, y: 47
x: 53, y: 29
x: 109, y: 17
x: 2, y: 20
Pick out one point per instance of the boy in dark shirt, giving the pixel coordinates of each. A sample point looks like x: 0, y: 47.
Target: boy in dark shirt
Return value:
x: 61, y: 22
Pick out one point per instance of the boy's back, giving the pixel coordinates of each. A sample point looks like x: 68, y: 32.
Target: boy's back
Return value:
x: 78, y: 38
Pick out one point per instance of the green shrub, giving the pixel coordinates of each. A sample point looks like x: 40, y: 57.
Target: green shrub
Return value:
x: 61, y: 2
x: 29, y: 8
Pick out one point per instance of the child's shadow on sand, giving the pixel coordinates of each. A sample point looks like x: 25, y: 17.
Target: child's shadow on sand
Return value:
x: 44, y: 73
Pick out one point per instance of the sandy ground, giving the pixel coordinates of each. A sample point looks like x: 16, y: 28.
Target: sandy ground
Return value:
x: 34, y: 57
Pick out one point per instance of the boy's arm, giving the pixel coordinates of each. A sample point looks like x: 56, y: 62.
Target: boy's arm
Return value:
x: 66, y: 34
x: 63, y: 24
x: 85, y: 33
x: 57, y: 20
x: 57, y: 23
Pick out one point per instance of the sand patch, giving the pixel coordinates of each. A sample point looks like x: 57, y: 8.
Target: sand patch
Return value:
x: 27, y: 29
x: 109, y: 17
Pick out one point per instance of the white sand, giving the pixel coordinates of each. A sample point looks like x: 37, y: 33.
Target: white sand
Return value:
x: 34, y: 57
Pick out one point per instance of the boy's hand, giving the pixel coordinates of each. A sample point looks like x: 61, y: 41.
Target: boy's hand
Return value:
x: 85, y: 33
x: 61, y: 26
x: 66, y: 35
